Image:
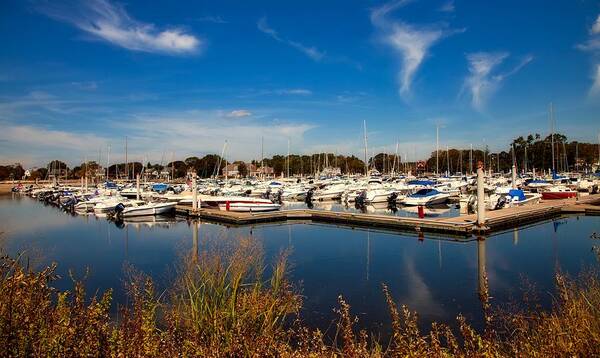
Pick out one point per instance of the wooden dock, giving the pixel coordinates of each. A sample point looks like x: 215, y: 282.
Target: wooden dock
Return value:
x: 461, y: 226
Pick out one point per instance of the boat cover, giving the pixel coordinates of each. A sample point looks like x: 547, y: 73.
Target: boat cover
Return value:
x: 518, y: 193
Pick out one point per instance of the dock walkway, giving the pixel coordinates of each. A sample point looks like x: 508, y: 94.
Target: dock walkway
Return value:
x: 464, y: 225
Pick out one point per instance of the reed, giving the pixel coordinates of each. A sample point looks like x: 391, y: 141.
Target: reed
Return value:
x: 223, y: 305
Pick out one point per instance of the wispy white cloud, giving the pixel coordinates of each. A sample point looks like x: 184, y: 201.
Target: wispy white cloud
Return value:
x: 88, y: 85
x: 296, y: 91
x: 481, y: 81
x: 239, y: 113
x: 212, y: 19
x: 595, y: 89
x: 448, y: 6
x: 278, y: 92
x: 411, y: 43
x: 592, y: 45
x: 312, y: 52
x: 111, y: 23
x: 596, y: 27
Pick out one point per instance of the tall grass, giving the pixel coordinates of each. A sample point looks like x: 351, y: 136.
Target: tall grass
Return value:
x: 222, y: 304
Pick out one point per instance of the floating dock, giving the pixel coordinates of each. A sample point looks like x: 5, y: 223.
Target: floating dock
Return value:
x: 460, y: 226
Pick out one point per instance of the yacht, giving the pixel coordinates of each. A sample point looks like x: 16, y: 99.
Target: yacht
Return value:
x: 426, y: 197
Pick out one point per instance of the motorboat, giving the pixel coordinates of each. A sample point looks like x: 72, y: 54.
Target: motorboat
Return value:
x: 537, y: 183
x: 558, y: 192
x: 517, y: 197
x: 144, y: 209
x: 239, y: 204
x: 426, y: 197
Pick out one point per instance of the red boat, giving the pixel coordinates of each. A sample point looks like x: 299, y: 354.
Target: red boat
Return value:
x: 558, y: 192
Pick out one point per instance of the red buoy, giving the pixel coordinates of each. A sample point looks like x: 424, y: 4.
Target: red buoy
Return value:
x: 421, y: 212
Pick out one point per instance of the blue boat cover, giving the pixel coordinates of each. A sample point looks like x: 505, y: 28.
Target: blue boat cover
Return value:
x: 159, y: 187
x: 518, y: 193
x: 110, y: 185
x: 424, y: 192
x: 421, y: 182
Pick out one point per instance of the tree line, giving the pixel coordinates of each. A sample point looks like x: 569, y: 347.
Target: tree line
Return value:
x: 532, y: 151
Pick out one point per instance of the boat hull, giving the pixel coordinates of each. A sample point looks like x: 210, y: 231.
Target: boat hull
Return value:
x: 548, y: 195
x: 148, y: 210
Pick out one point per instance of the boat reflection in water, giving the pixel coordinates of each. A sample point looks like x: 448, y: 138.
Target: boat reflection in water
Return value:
x: 157, y: 221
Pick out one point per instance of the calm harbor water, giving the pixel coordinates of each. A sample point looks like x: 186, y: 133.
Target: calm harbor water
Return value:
x: 438, y: 277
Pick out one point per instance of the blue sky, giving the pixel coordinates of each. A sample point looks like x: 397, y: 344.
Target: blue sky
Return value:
x: 180, y: 79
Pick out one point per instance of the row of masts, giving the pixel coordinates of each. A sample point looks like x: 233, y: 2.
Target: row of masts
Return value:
x: 561, y: 163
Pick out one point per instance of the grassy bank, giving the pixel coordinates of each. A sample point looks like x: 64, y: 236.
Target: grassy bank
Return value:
x: 223, y: 304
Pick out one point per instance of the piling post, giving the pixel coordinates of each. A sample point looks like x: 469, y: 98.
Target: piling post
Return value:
x: 514, y: 177
x: 194, y: 193
x: 137, y: 186
x: 86, y: 184
x: 480, y: 196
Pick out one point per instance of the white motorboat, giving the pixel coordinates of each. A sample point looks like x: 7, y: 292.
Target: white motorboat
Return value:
x: 426, y: 197
x: 145, y: 209
x: 239, y: 204
x: 517, y: 197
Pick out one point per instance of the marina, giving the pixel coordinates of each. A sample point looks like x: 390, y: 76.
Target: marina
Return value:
x: 338, y: 179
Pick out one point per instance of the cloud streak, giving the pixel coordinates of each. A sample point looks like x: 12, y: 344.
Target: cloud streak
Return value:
x: 239, y: 113
x: 111, y: 23
x: 481, y: 81
x: 411, y: 43
x: 310, y: 51
x: 592, y: 45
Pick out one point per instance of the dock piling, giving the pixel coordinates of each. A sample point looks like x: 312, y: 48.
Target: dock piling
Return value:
x: 514, y: 177
x: 194, y: 193
x: 137, y: 187
x: 480, y: 197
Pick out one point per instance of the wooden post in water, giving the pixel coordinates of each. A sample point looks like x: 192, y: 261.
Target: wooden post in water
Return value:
x: 480, y: 196
x: 194, y: 193
x: 137, y: 187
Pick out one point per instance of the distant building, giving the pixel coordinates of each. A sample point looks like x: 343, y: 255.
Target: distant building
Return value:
x: 231, y: 170
x: 255, y: 171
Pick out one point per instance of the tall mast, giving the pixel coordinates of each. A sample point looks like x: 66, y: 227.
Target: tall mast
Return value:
x: 577, y: 157
x: 437, y: 148
x: 262, y: 157
x: 366, y: 148
x: 107, y: 162
x: 126, y: 161
x: 471, y: 160
x: 552, y: 134
x: 525, y: 160
x: 288, y: 159
x: 172, y: 167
